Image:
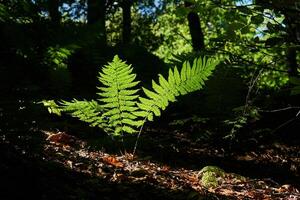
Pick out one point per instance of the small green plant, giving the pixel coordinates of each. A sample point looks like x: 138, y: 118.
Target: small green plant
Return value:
x: 120, y: 109
x: 243, y: 115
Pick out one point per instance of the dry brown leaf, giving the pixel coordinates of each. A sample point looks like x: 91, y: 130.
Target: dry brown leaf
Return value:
x: 61, y: 138
x: 111, y: 160
x: 285, y: 188
x: 165, y: 168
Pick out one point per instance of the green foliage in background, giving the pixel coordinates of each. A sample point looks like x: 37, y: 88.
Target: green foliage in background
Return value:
x: 251, y: 36
x: 57, y: 56
x: 120, y: 109
x: 56, y: 60
x: 243, y: 116
x: 142, y: 29
x: 174, y: 31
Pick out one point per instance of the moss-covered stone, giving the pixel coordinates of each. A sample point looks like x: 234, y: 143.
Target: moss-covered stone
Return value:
x: 211, y: 176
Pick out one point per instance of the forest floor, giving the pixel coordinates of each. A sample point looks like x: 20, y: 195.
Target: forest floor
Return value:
x: 53, y: 162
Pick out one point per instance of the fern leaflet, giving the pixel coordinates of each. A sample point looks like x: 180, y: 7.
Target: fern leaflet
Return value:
x: 188, y: 80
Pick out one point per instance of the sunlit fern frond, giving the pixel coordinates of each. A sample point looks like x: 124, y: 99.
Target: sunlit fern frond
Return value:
x: 119, y: 96
x: 189, y: 79
x: 179, y: 59
x: 87, y: 111
x: 119, y: 108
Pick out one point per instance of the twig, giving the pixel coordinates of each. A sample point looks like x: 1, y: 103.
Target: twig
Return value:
x: 183, y: 37
x: 271, y: 181
x: 284, y: 124
x: 282, y: 109
x: 251, y: 63
x: 251, y: 86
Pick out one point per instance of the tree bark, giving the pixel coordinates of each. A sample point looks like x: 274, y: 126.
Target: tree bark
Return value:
x: 96, y: 15
x: 195, y: 29
x: 53, y: 8
x: 292, y: 41
x: 126, y: 34
x: 291, y: 57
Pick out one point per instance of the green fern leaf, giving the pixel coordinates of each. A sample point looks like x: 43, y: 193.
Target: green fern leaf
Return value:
x: 119, y: 95
x: 177, y: 76
x: 188, y: 80
x: 87, y: 111
x: 183, y: 72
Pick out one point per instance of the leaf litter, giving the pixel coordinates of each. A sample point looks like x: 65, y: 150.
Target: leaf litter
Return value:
x: 126, y: 168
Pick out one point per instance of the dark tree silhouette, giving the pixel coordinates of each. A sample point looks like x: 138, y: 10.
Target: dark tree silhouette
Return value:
x: 195, y: 29
x: 292, y: 40
x: 126, y: 7
x: 96, y: 15
x: 53, y: 8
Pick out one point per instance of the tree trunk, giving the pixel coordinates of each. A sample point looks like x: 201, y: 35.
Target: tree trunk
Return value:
x: 96, y: 15
x: 53, y: 8
x: 195, y: 29
x: 291, y: 57
x: 292, y: 40
x: 126, y: 34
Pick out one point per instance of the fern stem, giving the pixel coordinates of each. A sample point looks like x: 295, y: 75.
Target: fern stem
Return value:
x: 138, y: 136
x: 119, y: 107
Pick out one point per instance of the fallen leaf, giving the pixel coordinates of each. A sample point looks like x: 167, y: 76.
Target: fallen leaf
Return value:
x: 62, y: 138
x: 165, y: 168
x: 111, y: 160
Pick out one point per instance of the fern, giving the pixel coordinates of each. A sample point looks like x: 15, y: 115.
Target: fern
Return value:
x: 190, y: 79
x: 87, y: 111
x: 119, y: 96
x: 120, y: 109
